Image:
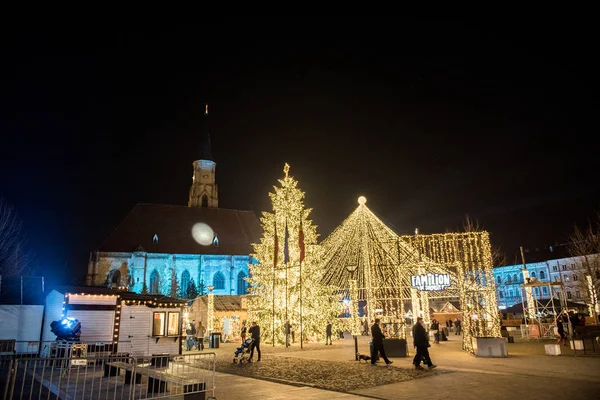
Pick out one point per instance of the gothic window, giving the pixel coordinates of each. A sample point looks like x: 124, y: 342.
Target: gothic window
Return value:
x: 533, y: 274
x: 185, y: 281
x: 154, y: 280
x: 498, y: 279
x: 219, y: 281
x: 204, y: 200
x: 242, y: 285
x: 116, y: 278
x: 569, y: 295
x: 575, y: 277
x: 542, y: 275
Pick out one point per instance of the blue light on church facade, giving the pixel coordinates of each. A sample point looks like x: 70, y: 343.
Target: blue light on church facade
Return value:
x: 161, y: 249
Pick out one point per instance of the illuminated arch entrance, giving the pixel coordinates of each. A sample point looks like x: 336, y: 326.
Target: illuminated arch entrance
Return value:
x: 385, y: 274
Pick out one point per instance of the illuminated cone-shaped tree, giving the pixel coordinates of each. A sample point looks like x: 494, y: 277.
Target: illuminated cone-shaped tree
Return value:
x: 285, y: 284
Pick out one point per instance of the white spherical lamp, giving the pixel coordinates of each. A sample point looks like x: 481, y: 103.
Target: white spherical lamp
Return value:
x: 203, y: 234
x: 362, y: 200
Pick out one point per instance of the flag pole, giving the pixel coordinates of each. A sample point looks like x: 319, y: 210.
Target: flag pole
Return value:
x: 275, y: 251
x: 273, y: 304
x: 287, y: 324
x: 301, y: 330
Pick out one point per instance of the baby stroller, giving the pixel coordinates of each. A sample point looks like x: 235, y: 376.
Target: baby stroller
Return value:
x: 242, y: 352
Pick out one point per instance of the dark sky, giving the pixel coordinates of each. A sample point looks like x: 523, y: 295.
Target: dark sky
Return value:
x: 430, y: 121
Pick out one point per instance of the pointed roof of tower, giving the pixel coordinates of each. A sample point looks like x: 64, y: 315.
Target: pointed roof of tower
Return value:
x: 206, y: 148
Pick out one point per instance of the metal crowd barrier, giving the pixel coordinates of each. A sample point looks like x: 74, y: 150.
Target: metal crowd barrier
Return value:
x: 74, y: 376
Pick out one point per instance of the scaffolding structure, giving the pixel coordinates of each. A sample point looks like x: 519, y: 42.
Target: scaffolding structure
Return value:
x: 541, y: 314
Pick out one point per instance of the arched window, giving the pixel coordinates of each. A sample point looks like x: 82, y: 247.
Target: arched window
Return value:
x: 498, y: 280
x: 533, y: 274
x: 515, y: 278
x: 509, y: 280
x: 185, y: 281
x: 116, y: 278
x: 154, y: 280
x: 204, y: 201
x: 242, y: 285
x: 542, y: 275
x: 219, y: 281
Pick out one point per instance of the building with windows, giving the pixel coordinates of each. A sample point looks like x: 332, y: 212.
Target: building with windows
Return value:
x: 180, y: 251
x: 549, y: 265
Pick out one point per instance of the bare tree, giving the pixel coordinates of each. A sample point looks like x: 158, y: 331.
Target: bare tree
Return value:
x: 13, y: 261
x: 585, y: 245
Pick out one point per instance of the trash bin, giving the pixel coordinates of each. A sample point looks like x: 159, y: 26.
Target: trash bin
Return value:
x: 214, y: 339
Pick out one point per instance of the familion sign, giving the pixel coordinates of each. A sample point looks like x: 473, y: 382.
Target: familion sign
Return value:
x: 429, y: 282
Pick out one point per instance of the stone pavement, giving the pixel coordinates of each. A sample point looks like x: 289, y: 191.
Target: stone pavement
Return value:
x: 527, y: 373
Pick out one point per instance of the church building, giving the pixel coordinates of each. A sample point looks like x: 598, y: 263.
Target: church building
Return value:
x: 165, y: 249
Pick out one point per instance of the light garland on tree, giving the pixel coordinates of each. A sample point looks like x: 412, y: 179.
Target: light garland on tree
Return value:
x: 275, y: 285
x: 210, y: 313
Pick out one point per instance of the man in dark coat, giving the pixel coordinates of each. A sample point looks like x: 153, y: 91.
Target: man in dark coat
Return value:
x: 378, y: 342
x: 255, y: 332
x: 421, y: 342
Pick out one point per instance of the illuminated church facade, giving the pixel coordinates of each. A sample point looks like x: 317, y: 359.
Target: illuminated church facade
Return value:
x: 165, y: 249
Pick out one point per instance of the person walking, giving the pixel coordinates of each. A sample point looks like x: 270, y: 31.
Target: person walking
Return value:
x: 286, y: 328
x: 421, y: 342
x: 561, y: 331
x: 378, y: 342
x: 255, y: 332
x: 243, y: 332
x: 435, y: 328
x: 458, y: 326
x: 328, y: 333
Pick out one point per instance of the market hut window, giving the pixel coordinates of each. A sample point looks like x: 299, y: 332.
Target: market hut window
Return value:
x: 165, y: 324
x: 173, y: 325
x: 158, y: 324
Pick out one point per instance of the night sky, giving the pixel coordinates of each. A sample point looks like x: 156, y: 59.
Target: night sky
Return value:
x: 431, y: 122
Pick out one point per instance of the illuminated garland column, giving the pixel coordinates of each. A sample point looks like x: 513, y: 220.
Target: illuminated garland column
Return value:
x: 402, y: 318
x: 425, y: 307
x: 416, y: 306
x: 354, y: 307
x: 211, y: 309
x: 364, y: 242
x: 464, y: 303
x: 593, y: 305
x: 491, y: 303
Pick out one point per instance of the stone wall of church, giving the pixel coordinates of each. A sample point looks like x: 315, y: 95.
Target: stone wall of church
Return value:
x: 157, y: 270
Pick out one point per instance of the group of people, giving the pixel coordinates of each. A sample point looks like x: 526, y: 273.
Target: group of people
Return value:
x: 420, y: 342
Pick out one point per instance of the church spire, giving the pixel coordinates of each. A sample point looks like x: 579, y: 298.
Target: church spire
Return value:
x: 206, y: 148
x: 203, y: 192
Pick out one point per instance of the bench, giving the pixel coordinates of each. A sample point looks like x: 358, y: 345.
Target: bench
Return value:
x: 114, y: 368
x: 193, y: 389
x: 7, y: 347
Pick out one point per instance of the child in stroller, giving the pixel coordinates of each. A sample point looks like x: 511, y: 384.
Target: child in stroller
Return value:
x: 242, y: 352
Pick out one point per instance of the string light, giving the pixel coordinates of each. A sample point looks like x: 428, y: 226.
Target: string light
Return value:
x: 385, y: 263
x: 279, y: 292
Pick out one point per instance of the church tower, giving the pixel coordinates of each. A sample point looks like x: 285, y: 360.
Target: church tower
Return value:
x: 203, y: 192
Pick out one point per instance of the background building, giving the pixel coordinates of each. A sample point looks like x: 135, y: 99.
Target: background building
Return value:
x: 552, y: 264
x: 179, y: 251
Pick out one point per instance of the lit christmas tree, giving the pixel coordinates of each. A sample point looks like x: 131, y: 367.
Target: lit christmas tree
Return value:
x: 286, y: 283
